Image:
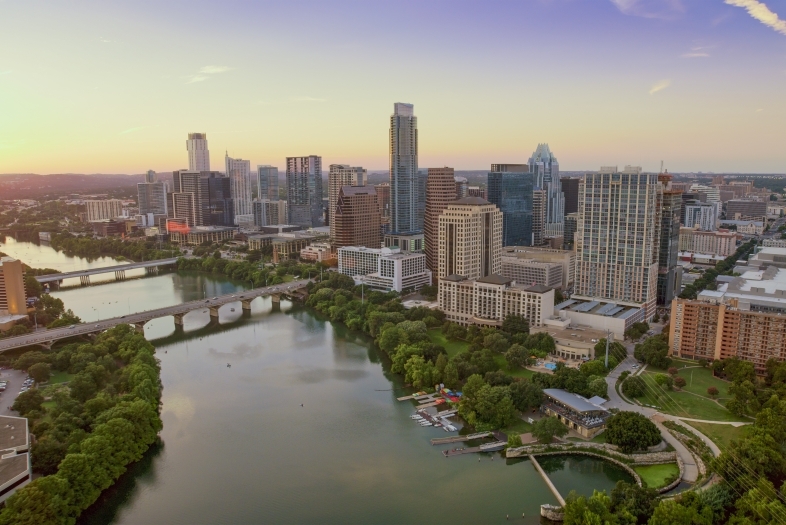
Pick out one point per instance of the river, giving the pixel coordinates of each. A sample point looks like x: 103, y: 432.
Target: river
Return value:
x: 238, y: 447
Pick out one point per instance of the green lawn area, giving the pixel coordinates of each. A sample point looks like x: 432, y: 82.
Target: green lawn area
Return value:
x: 513, y: 372
x: 699, y: 379
x: 60, y: 377
x: 684, y: 403
x: 453, y: 347
x: 520, y: 427
x: 721, y: 435
x: 657, y: 475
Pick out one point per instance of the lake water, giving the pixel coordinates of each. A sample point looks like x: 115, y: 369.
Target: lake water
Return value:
x: 237, y: 447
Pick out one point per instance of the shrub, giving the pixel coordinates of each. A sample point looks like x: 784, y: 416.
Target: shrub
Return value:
x: 631, y: 431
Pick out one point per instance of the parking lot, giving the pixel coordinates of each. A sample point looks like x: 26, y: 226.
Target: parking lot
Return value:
x: 16, y: 379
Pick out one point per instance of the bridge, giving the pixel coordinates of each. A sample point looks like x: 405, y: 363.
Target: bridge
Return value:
x: 120, y: 271
x: 46, y: 338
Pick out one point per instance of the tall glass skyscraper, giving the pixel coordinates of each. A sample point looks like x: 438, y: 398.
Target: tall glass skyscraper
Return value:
x: 544, y: 167
x: 510, y: 187
x: 304, y: 191
x: 407, y: 200
x: 239, y: 173
x: 267, y: 182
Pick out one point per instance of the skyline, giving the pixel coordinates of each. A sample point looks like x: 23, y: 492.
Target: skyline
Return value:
x: 696, y: 84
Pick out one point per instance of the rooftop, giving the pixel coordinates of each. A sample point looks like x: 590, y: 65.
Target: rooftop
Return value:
x: 13, y: 432
x: 573, y: 401
x: 471, y: 201
x: 494, y: 279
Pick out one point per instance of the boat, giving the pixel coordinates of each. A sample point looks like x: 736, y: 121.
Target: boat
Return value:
x: 426, y: 424
x: 445, y: 429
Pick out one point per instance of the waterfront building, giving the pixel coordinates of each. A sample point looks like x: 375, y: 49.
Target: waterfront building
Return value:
x: 304, y: 191
x: 470, y: 239
x: 341, y: 175
x: 617, y: 237
x: 570, y: 188
x: 384, y: 269
x: 100, y: 210
x: 669, y: 272
x: 287, y: 245
x: 198, y: 154
x: 488, y: 300
x: 441, y: 189
x: 12, y: 287
x: 194, y: 236
x: 544, y: 167
x: 15, y: 465
x: 577, y: 413
x: 746, y: 210
x: 201, y: 198
x: 406, y: 201
x: 705, y: 215
x: 528, y: 271
x: 356, y: 220
x: 267, y: 182
x: 239, y: 173
x: 510, y: 188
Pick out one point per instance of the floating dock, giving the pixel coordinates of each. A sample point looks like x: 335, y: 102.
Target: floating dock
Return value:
x: 456, y: 439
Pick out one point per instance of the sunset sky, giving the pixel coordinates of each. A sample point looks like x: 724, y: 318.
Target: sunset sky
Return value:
x: 114, y: 87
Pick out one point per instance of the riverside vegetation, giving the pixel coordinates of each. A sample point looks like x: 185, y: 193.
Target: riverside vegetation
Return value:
x: 89, y: 430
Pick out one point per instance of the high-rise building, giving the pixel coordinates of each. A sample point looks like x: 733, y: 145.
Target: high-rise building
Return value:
x: 341, y: 175
x: 267, y: 212
x: 705, y: 215
x: 267, y: 182
x: 440, y: 191
x: 669, y: 272
x: 152, y: 195
x: 687, y: 199
x: 198, y: 154
x: 239, y: 173
x: 706, y: 193
x: 150, y: 176
x: 462, y: 188
x: 570, y: 188
x: 101, y: 210
x: 355, y: 221
x: 510, y: 188
x: 304, y: 191
x: 406, y: 201
x: 202, y: 198
x: 746, y: 209
x: 383, y: 196
x: 544, y: 167
x: 477, y: 191
x: 13, y: 298
x: 571, y: 222
x: 617, y: 238
x: 538, y: 217
x: 470, y: 239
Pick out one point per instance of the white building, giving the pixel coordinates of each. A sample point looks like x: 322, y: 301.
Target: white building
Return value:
x: 712, y: 192
x: 745, y: 227
x: 342, y: 175
x: 722, y: 242
x: 239, y: 173
x: 488, y: 300
x: 470, y: 239
x: 704, y: 215
x: 15, y: 469
x: 774, y: 243
x: 532, y: 272
x: 566, y: 258
x: 101, y: 210
x: 198, y: 155
x: 384, y: 269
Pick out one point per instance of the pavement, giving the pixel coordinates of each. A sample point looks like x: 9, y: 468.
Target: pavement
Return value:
x: 15, y: 379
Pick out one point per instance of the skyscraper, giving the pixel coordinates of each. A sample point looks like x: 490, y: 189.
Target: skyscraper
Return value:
x: 383, y: 196
x: 510, y: 188
x: 355, y: 221
x: 617, y: 237
x: 150, y: 176
x: 151, y: 195
x: 462, y: 187
x: 538, y: 217
x: 440, y: 190
x: 341, y: 175
x: 304, y: 191
x: 404, y: 195
x: 202, y: 198
x: 470, y: 239
x: 267, y: 182
x: 198, y: 155
x: 545, y: 168
x: 669, y: 272
x: 570, y: 188
x: 239, y: 173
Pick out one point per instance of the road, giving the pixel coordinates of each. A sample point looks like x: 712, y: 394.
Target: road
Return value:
x: 48, y: 336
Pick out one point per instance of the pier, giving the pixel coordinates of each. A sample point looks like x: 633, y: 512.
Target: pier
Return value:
x: 456, y: 439
x: 547, y: 480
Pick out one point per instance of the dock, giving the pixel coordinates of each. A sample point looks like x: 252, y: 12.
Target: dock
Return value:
x: 432, y: 404
x: 460, y: 451
x: 416, y: 395
x: 547, y: 480
x: 456, y: 439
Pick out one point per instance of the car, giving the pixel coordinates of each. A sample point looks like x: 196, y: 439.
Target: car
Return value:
x: 72, y: 326
x: 207, y: 301
x: 234, y: 296
x: 214, y: 298
x: 96, y: 326
x: 635, y: 366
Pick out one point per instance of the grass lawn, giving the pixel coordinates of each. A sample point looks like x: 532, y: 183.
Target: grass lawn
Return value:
x: 657, y: 476
x: 721, y: 435
x: 514, y: 372
x: 684, y: 403
x: 60, y: 377
x: 519, y: 427
x: 453, y: 347
x: 699, y: 379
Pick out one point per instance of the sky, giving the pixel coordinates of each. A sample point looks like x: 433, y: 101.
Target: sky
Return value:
x: 116, y: 86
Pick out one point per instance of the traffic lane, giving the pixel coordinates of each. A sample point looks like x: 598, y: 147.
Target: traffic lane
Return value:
x: 15, y: 380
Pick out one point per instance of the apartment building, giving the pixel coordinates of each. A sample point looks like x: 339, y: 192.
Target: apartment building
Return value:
x: 470, y: 239
x: 528, y: 271
x: 565, y: 258
x: 101, y: 210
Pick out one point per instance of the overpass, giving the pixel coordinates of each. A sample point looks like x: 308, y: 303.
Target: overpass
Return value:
x: 120, y: 269
x: 295, y: 289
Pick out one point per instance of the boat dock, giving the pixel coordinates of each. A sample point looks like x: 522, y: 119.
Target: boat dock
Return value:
x: 456, y: 439
x: 432, y: 404
x: 547, y: 480
x: 460, y: 451
x: 416, y: 395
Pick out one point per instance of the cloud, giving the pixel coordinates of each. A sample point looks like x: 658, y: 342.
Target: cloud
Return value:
x: 662, y: 9
x: 102, y: 39
x: 762, y: 13
x: 205, y: 72
x: 5, y: 72
x: 660, y: 86
x: 694, y: 54
x: 306, y: 99
x: 131, y: 130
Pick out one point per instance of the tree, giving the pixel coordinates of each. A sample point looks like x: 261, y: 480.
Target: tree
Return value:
x: 671, y: 512
x: 515, y: 324
x: 673, y: 371
x: 525, y: 394
x: 598, y: 387
x: 680, y: 382
x: 40, y: 372
x: 496, y: 342
x: 664, y: 380
x: 450, y: 377
x: 634, y: 386
x: 546, y: 428
x: 28, y: 359
x: 28, y: 401
x: 593, y: 368
x: 595, y: 510
x: 639, y: 502
x: 631, y: 431
x: 516, y: 356
x: 712, y: 392
x: 514, y: 440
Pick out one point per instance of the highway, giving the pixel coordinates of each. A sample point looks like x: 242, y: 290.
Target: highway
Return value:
x: 106, y: 269
x: 48, y: 336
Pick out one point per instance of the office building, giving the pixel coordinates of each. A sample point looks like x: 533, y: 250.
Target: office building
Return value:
x: 569, y: 237
x: 694, y: 240
x: 194, y: 236
x: 440, y: 191
x: 570, y: 188
x: 745, y: 227
x: 544, y: 167
x: 566, y: 258
x: 150, y: 176
x: 267, y: 182
x: 617, y: 237
x: 201, y: 198
x: 341, y: 175
x: 706, y: 193
x: 746, y: 210
x: 705, y: 215
x: 356, y: 218
x: 462, y: 187
x: 538, y: 217
x: 510, y: 188
x: 688, y: 199
x: 304, y: 191
x: 477, y: 191
x: 12, y: 287
x: 488, y: 300
x: 101, y: 210
x: 198, y: 155
x: 406, y: 242
x: 151, y: 195
x: 669, y: 272
x: 239, y: 173
x: 470, y: 239
x: 384, y: 269
x: 406, y: 202
x: 266, y: 212
x: 319, y: 252
x: 530, y: 272
x: 383, y: 196
x: 774, y: 243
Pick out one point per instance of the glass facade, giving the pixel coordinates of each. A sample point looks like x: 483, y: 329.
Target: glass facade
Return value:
x: 512, y: 194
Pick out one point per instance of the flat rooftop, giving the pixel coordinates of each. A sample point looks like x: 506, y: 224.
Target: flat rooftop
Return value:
x: 573, y: 401
x: 13, y: 432
x: 13, y: 467
x: 583, y: 334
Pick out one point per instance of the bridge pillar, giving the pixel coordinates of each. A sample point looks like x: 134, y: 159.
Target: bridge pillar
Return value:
x: 140, y: 327
x: 246, y: 304
x: 276, y: 298
x: 84, y: 280
x: 214, y: 313
x: 120, y: 275
x: 178, y: 319
x: 151, y: 270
